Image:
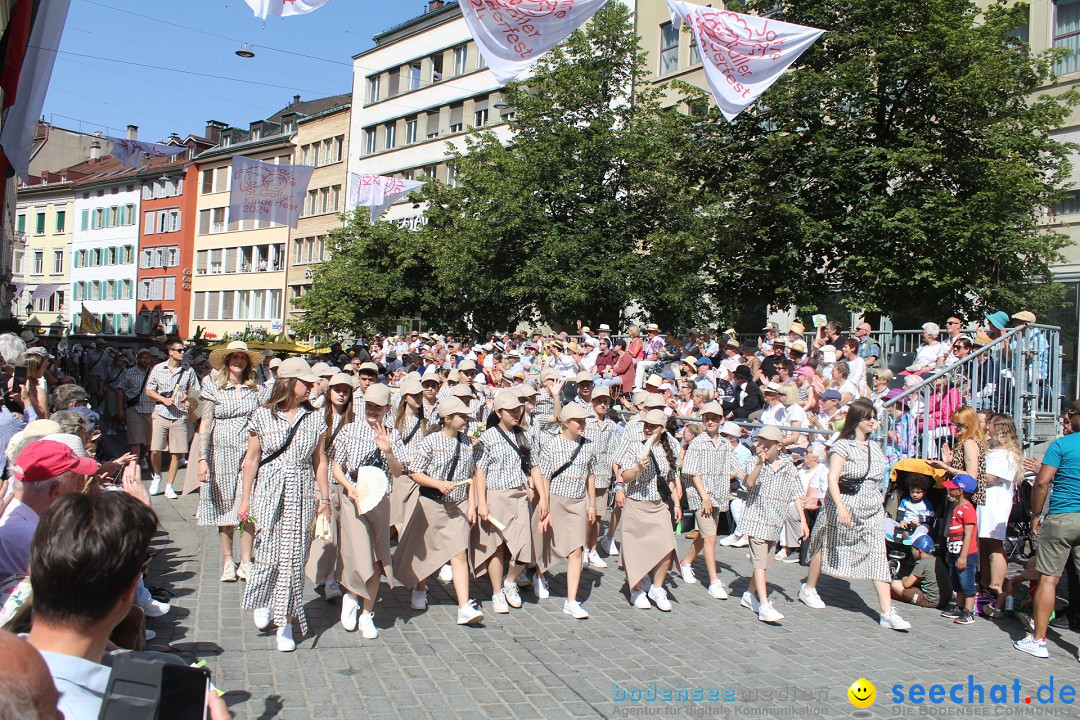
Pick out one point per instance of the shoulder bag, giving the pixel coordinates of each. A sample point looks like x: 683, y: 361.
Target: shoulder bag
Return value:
x: 285, y: 445
x: 568, y: 463
x: 850, y: 486
x: 133, y: 401
x: 433, y: 494
x: 523, y: 454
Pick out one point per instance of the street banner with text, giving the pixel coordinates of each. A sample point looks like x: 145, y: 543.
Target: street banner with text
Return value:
x: 131, y: 152
x: 284, y: 8
x: 263, y: 191
x: 378, y: 192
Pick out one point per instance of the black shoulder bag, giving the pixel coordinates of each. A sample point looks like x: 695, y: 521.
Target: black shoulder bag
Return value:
x: 433, y: 494
x: 133, y: 401
x: 285, y: 445
x: 568, y: 463
x: 850, y: 486
x: 524, y: 455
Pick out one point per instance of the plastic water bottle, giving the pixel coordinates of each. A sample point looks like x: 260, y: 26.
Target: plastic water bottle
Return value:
x: 1009, y: 603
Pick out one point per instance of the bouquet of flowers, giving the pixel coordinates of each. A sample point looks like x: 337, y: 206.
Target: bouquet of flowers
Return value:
x: 245, y: 519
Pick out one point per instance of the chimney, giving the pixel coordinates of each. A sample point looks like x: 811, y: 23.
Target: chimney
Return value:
x: 435, y: 5
x: 133, y: 132
x: 295, y: 99
x: 95, y: 147
x: 213, y: 131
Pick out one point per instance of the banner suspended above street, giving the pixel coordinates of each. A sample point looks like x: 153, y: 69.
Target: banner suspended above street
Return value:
x: 267, y: 192
x: 378, y: 192
x: 513, y: 34
x: 742, y: 54
x: 132, y: 152
x: 284, y: 8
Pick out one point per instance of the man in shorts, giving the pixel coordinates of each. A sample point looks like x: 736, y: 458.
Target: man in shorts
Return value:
x: 135, y: 408
x: 168, y: 386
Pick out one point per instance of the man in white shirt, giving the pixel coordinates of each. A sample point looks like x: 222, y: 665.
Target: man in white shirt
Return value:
x: 856, y: 366
x: 589, y: 361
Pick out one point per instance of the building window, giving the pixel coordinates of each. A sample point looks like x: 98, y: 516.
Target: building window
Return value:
x: 452, y: 175
x: 410, y: 131
x: 374, y: 87
x: 436, y: 68
x: 669, y: 48
x: 414, y: 76
x: 1067, y: 35
x: 39, y: 228
x: 1069, y: 204
x: 172, y: 257
x: 456, y: 122
x: 432, y: 125
x: 58, y: 262
x: 369, y: 141
x: 461, y: 59
x: 17, y: 262
x: 61, y: 221
x: 20, y: 223
x: 480, y: 117
x: 389, y: 136
x: 695, y: 51
x: 38, y: 267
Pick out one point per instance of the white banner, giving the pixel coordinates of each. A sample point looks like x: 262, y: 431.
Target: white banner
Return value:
x: 378, y: 192
x: 284, y: 8
x: 130, y: 152
x: 513, y: 34
x: 742, y: 54
x: 262, y: 191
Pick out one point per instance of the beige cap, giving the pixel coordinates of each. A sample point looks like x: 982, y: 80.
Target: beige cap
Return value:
x: 377, y: 394
x: 323, y: 369
x: 656, y: 417
x: 1024, y: 316
x: 731, y: 429
x: 654, y: 400
x: 507, y: 400
x: 601, y: 392
x: 368, y: 367
x: 572, y: 411
x: 343, y: 379
x: 452, y: 406
x: 548, y: 374
x: 275, y: 363
x: 770, y: 432
x: 430, y: 375
x: 411, y: 386
x: 713, y: 408
x: 461, y: 390
x: 297, y: 368
x: 466, y: 364
x: 453, y: 376
x: 525, y: 391
x: 654, y: 380
x: 584, y: 376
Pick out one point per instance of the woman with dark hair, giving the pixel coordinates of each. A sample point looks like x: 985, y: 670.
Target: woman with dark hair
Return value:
x: 285, y: 484
x: 848, y: 541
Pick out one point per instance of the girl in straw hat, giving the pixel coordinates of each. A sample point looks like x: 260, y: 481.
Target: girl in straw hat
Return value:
x: 285, y: 484
x: 438, y: 532
x: 648, y: 493
x: 364, y: 539
x: 502, y: 538
x: 412, y: 423
x: 229, y: 396
x: 568, y: 467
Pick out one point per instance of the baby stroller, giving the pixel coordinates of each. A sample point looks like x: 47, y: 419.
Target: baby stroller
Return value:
x: 899, y: 550
x: 1019, y: 543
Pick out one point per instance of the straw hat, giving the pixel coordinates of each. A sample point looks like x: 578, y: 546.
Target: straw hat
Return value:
x: 219, y: 356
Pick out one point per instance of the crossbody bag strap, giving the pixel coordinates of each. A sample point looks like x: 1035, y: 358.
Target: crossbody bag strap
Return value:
x: 285, y: 445
x: 416, y: 427
x: 135, y: 397
x: 661, y: 482
x: 432, y: 493
x: 568, y: 463
x: 524, y: 457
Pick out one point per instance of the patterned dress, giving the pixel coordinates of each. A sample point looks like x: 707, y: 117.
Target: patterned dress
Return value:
x: 959, y: 461
x: 224, y: 449
x: 856, y: 552
x: 284, y: 501
x: 716, y: 465
x: 767, y: 501
x: 605, y: 441
x: 570, y: 483
x: 356, y: 449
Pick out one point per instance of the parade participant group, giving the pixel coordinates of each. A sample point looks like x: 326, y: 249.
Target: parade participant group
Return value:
x: 491, y: 467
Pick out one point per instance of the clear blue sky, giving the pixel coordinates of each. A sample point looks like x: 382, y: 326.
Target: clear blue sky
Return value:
x: 109, y: 96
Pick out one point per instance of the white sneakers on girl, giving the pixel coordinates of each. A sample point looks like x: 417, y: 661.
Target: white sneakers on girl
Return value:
x: 511, y: 593
x: 640, y: 600
x: 499, y: 604
x: 540, y: 586
x: 659, y: 596
x: 419, y: 599
x: 687, y: 573
x: 285, y: 642
x: 717, y: 589
x: 469, y: 614
x: 893, y: 621
x: 262, y: 618
x: 349, y: 609
x: 810, y: 598
x: 446, y: 574
x: 767, y: 613
x: 573, y: 609
x: 367, y: 625
x: 595, y: 560
x: 749, y: 600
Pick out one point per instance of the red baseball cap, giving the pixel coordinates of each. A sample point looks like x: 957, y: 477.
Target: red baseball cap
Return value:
x: 45, y: 459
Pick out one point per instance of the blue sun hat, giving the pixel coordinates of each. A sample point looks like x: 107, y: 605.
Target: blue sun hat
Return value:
x: 998, y: 319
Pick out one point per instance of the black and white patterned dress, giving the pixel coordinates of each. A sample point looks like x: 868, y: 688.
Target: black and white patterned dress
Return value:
x: 356, y: 448
x: 284, y: 501
x: 434, y: 455
x: 224, y: 449
x: 500, y: 461
x: 715, y: 464
x: 570, y: 483
x: 544, y: 429
x: 605, y: 441
x: 767, y: 501
x: 856, y: 552
x: 643, y: 486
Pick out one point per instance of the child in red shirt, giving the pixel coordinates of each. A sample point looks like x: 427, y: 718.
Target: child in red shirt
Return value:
x: 963, y: 548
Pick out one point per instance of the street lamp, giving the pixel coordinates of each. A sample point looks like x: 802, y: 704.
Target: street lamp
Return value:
x: 245, y: 51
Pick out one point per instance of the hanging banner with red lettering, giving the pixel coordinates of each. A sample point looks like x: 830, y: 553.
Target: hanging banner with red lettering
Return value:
x: 513, y: 34
x: 284, y: 8
x: 378, y: 192
x: 742, y: 54
x: 263, y: 191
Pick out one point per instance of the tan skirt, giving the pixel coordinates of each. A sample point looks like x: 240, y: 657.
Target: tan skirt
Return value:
x: 647, y: 537
x: 363, y: 540
x: 191, y: 472
x: 511, y: 508
x: 322, y: 557
x: 567, y: 531
x: 435, y: 533
x: 403, y: 497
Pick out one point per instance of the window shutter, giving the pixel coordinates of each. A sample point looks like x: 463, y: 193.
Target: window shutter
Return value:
x: 200, y: 306
x: 230, y: 259
x: 175, y: 226
x: 200, y: 262
x: 227, y: 305
x: 212, y: 305
x: 170, y: 288
x: 215, y: 260
x: 204, y: 222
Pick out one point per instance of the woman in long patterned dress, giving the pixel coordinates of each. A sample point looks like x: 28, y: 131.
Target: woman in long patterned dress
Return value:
x: 648, y: 493
x: 848, y: 541
x: 411, y: 422
x: 285, y: 484
x: 364, y: 540
x: 229, y: 396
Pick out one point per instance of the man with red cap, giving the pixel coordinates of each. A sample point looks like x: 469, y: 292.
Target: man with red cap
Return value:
x: 44, y: 471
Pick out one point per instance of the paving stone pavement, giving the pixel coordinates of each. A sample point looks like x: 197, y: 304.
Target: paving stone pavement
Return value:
x: 537, y: 662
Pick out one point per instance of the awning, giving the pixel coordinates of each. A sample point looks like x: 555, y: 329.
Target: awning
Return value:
x: 44, y: 291
x: 19, y: 287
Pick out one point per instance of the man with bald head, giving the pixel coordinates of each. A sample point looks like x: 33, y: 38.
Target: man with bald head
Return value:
x: 27, y: 690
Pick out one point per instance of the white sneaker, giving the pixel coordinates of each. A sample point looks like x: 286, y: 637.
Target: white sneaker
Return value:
x: 743, y: 541
x: 1033, y: 647
x: 613, y: 548
x: 584, y: 559
x: 367, y: 625
x: 419, y: 600
x: 687, y: 573
x: 540, y: 586
x: 792, y: 558
x: 150, y: 634
x: 228, y: 574
x: 499, y: 604
x: 595, y: 560
x: 717, y: 589
x: 640, y: 600
x: 749, y: 600
x: 332, y: 590
x: 608, y: 545
x: 659, y: 596
x: 729, y: 540
x: 243, y: 570
x: 349, y: 609
x: 573, y: 609
x: 285, y: 642
x: 262, y: 618
x: 810, y: 598
x: 170, y: 493
x: 446, y: 575
x: 893, y: 620
x: 469, y: 614
x: 155, y: 484
x: 510, y: 592
x: 156, y: 608
x: 767, y: 613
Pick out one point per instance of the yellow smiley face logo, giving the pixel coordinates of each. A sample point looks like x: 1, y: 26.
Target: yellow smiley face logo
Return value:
x: 862, y: 693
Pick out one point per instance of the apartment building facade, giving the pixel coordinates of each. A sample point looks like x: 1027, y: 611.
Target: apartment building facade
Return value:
x: 42, y: 252
x: 321, y: 141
